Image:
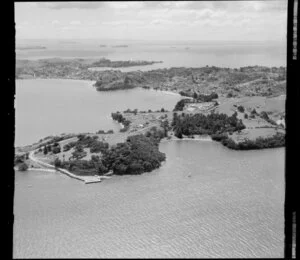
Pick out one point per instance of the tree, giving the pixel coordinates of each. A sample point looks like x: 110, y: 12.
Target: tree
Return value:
x: 180, y: 105
x: 48, y: 147
x: 45, y: 150
x: 241, y: 109
x: 23, y: 166
x: 253, y: 112
x: 79, y: 152
x: 138, y: 154
x: 264, y: 115
x: 56, y: 149
x: 19, y: 159
x: 57, y: 163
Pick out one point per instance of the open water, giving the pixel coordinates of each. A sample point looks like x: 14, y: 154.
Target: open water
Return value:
x: 205, y: 201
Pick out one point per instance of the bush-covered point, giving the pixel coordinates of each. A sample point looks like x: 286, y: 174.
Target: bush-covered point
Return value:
x: 119, y: 118
x: 137, y: 155
x: 180, y: 105
x: 200, y: 124
x: 19, y: 159
x: 277, y: 140
x: 23, y: 166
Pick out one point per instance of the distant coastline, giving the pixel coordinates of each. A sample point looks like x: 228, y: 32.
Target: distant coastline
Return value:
x: 30, y: 48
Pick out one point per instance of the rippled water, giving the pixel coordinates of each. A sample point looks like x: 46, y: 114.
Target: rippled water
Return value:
x: 173, y: 54
x: 205, y: 201
x: 45, y: 107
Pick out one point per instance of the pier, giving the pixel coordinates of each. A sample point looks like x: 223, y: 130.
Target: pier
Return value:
x: 85, y: 179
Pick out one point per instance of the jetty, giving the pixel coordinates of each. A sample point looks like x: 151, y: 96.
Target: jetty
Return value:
x: 85, y: 179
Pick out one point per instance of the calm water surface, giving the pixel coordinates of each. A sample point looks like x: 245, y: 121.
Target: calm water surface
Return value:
x: 205, y: 201
x: 45, y: 107
x: 173, y: 54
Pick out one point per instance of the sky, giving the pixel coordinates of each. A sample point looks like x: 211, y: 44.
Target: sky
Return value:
x: 159, y: 20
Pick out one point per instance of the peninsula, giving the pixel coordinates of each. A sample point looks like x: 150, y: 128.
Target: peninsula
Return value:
x: 243, y: 108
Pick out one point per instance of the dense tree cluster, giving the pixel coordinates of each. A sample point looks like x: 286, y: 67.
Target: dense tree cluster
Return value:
x: 199, y: 97
x: 121, y: 119
x: 241, y: 109
x: 69, y: 146
x: 116, y: 83
x: 135, y: 111
x: 85, y: 141
x: 186, y: 93
x: 157, y: 134
x: 277, y: 140
x: 83, y: 167
x: 206, y: 98
x: 120, y: 64
x: 53, y: 140
x: 78, y: 152
x: 22, y: 166
x: 19, y: 161
x: 137, y: 155
x: 20, y: 158
x: 213, y: 123
x: 103, y: 132
x: 265, y: 116
x: 180, y: 104
x: 98, y: 147
x: 54, y: 148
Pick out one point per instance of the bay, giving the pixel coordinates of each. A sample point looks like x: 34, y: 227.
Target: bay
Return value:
x: 205, y: 201
x: 46, y: 107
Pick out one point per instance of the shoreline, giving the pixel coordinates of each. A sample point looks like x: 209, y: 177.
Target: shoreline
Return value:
x: 47, y: 167
x: 194, y: 138
x: 169, y: 92
x: 86, y: 179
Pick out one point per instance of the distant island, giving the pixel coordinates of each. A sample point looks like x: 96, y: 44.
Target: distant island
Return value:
x: 70, y: 68
x: 30, y: 48
x: 120, y: 46
x: 121, y: 64
x: 102, y: 45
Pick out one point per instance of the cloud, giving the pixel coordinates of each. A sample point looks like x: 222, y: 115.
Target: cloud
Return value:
x: 76, y: 5
x: 55, y: 22
x: 123, y: 23
x: 161, y: 22
x: 169, y: 22
x: 125, y: 5
x: 75, y: 22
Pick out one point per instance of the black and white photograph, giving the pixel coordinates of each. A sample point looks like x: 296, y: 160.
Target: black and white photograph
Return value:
x: 150, y: 129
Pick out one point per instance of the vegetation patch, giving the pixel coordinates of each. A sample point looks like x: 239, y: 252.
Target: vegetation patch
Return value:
x: 199, y: 124
x: 137, y: 155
